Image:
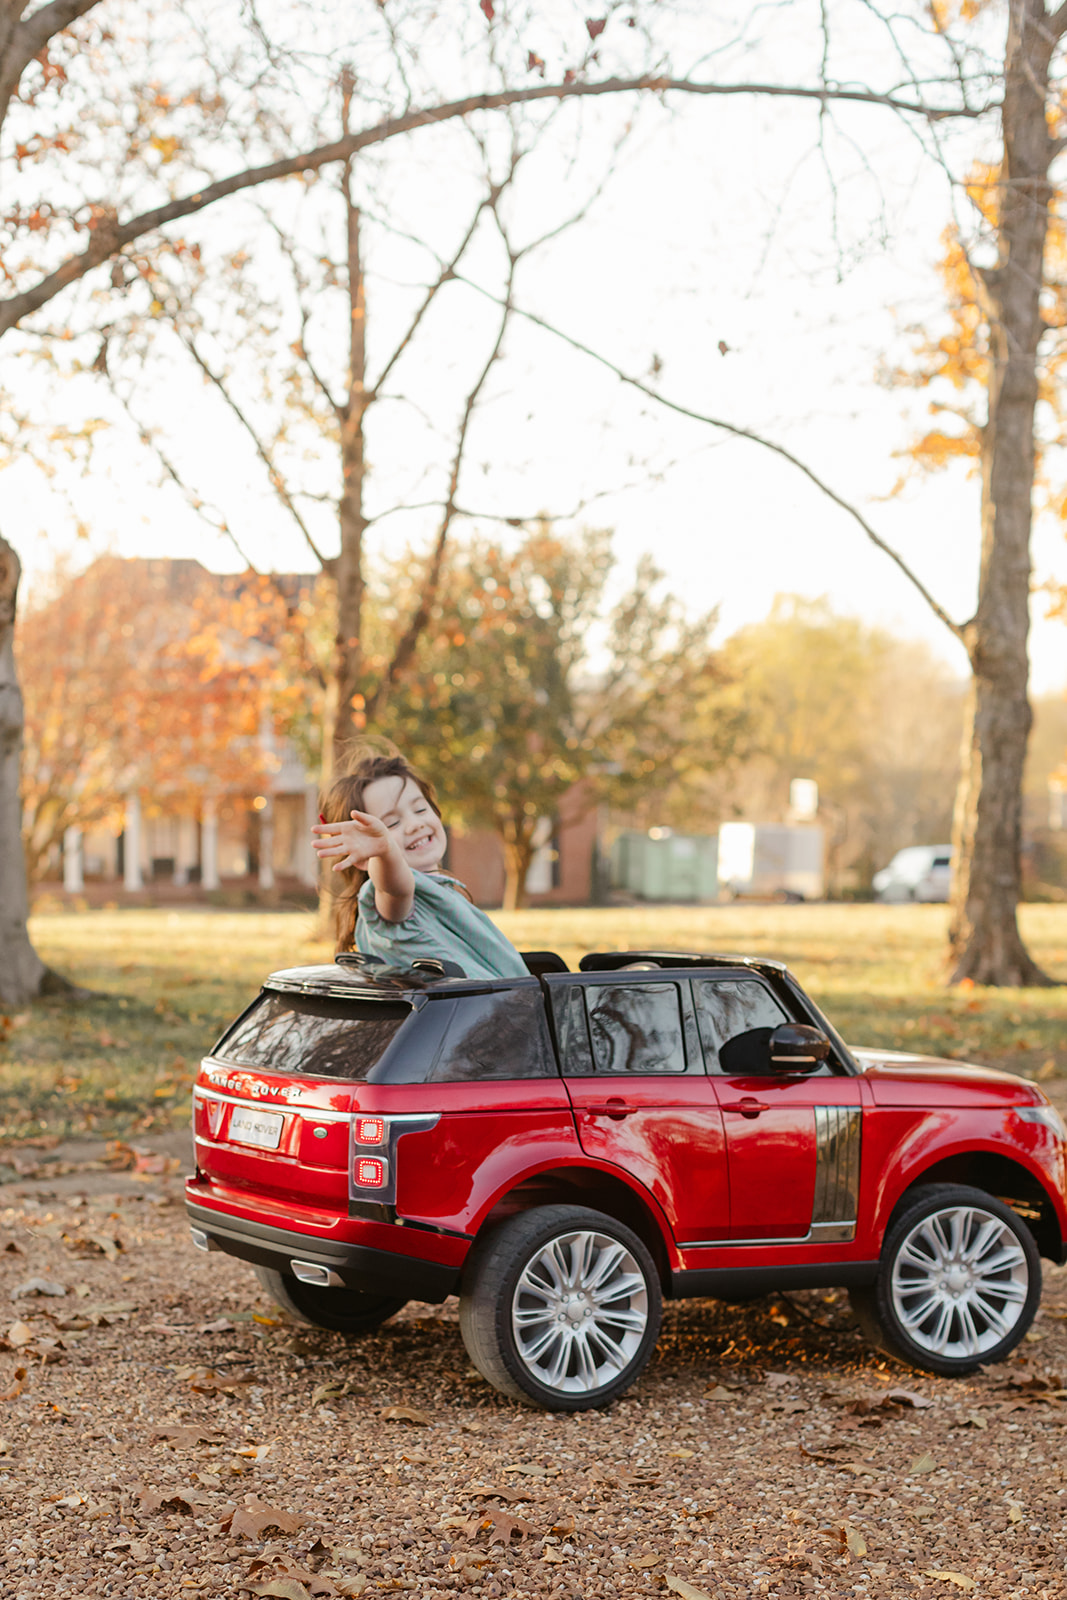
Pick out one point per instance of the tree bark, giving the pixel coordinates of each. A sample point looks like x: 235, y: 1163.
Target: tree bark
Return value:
x: 517, y: 840
x: 22, y: 972
x: 348, y: 714
x: 984, y: 941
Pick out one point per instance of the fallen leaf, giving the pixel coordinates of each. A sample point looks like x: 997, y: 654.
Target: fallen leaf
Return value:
x: 681, y: 1455
x: 417, y: 1419
x: 509, y: 1495
x: 973, y: 1420
x: 529, y: 1469
x: 502, y: 1525
x: 221, y: 1325
x: 958, y: 1578
x: 855, y: 1543
x: 18, y: 1383
x: 719, y: 1393
x: 205, y: 1380
x: 285, y: 1588
x: 255, y: 1516
x: 185, y: 1438
x: 639, y: 1563
x: 553, y: 1554
x: 777, y: 1380
x: 182, y: 1501
x: 20, y: 1333
x: 255, y: 1452
x: 907, y: 1397
x: 42, y: 1286
x: 1015, y: 1511
x: 923, y: 1463
x: 686, y: 1590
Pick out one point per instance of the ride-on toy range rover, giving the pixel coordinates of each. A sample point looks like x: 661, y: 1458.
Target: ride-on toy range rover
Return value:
x: 564, y: 1150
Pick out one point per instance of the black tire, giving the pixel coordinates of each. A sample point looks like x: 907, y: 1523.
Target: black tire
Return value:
x: 593, y: 1351
x: 338, y: 1310
x: 929, y: 1305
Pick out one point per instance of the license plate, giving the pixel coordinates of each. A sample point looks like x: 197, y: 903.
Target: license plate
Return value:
x: 262, y: 1128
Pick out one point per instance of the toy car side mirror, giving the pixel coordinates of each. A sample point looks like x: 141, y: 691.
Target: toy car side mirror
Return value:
x: 797, y: 1047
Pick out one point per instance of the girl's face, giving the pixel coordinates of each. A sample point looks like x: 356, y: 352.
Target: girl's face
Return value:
x: 406, y: 812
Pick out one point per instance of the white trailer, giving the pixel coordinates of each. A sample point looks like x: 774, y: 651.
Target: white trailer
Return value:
x: 770, y: 859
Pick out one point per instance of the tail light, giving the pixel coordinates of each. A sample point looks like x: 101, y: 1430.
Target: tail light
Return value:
x: 370, y: 1172
x: 373, y: 1154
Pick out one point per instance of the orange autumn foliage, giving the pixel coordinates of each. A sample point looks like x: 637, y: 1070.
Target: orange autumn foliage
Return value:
x: 154, y: 677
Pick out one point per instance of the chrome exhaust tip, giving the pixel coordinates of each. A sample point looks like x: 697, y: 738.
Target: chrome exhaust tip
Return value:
x: 311, y: 1272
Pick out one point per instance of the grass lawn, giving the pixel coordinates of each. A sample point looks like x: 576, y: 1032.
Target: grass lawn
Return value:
x: 166, y: 982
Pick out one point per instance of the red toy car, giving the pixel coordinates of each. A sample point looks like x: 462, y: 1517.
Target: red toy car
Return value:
x: 564, y: 1150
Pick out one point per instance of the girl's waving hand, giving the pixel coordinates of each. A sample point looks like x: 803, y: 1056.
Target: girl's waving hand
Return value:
x: 351, y: 844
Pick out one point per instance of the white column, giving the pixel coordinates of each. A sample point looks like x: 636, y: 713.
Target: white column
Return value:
x: 73, y: 880
x: 132, y: 878
x: 209, y: 845
x: 266, y: 845
x: 306, y: 861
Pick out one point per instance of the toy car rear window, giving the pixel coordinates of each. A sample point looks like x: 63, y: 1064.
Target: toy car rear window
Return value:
x: 314, y: 1035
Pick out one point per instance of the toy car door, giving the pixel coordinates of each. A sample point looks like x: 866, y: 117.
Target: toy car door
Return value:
x: 792, y: 1141
x: 642, y: 1101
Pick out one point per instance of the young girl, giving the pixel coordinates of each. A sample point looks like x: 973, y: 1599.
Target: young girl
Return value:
x: 382, y: 829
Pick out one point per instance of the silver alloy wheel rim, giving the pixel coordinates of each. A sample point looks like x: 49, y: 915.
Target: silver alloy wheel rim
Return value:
x: 959, y: 1283
x: 579, y: 1312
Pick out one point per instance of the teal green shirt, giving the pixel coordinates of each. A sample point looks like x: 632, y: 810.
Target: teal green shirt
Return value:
x: 441, y: 923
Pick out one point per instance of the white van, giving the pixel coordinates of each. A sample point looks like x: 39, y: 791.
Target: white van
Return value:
x: 921, y: 872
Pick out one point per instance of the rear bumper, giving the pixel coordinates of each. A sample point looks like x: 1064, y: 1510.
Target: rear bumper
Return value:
x: 357, y: 1266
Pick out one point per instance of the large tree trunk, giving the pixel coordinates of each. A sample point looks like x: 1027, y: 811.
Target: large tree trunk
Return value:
x: 21, y: 970
x: 517, y: 839
x: 985, y: 945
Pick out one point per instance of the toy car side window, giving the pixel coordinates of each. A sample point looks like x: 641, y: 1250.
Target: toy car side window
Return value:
x: 502, y: 1035
x: 736, y: 1019
x: 636, y: 1027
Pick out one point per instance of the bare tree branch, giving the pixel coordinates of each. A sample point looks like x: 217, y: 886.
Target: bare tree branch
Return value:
x: 412, y: 633
x: 195, y: 501
x: 111, y: 236
x: 277, y: 482
x: 28, y: 38
x: 956, y: 628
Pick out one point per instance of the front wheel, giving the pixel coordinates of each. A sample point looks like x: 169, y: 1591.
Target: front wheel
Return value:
x: 958, y: 1283
x: 338, y: 1310
x: 561, y: 1305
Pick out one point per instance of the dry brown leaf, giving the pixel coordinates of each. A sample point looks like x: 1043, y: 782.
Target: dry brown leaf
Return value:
x: 511, y: 1496
x: 923, y: 1463
x: 686, y: 1590
x: 639, y: 1563
x: 528, y: 1469
x: 502, y: 1524
x: 907, y: 1397
x: 16, y: 1386
x: 205, y: 1380
x: 185, y: 1438
x: 284, y: 1588
x: 681, y: 1455
x: 1015, y: 1511
x: 182, y: 1501
x: 720, y: 1392
x: 855, y: 1543
x: 254, y: 1452
x: 973, y: 1420
x: 19, y: 1334
x: 553, y: 1555
x: 39, y: 1286
x: 417, y: 1419
x: 958, y: 1578
x: 256, y: 1516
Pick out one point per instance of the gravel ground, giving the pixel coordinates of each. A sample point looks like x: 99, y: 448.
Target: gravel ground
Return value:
x: 165, y: 1432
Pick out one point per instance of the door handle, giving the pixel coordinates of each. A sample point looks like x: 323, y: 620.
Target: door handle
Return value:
x: 748, y: 1107
x: 613, y: 1108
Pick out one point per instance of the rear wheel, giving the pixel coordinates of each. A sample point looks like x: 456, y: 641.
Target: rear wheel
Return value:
x: 338, y: 1310
x: 561, y: 1305
x: 958, y: 1283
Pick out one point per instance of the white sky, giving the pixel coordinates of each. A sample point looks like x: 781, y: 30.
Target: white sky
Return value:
x: 674, y: 257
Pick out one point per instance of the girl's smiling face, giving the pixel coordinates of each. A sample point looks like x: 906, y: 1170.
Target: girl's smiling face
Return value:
x: 414, y: 824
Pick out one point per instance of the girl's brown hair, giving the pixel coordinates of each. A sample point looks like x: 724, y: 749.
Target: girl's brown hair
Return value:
x: 344, y: 796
